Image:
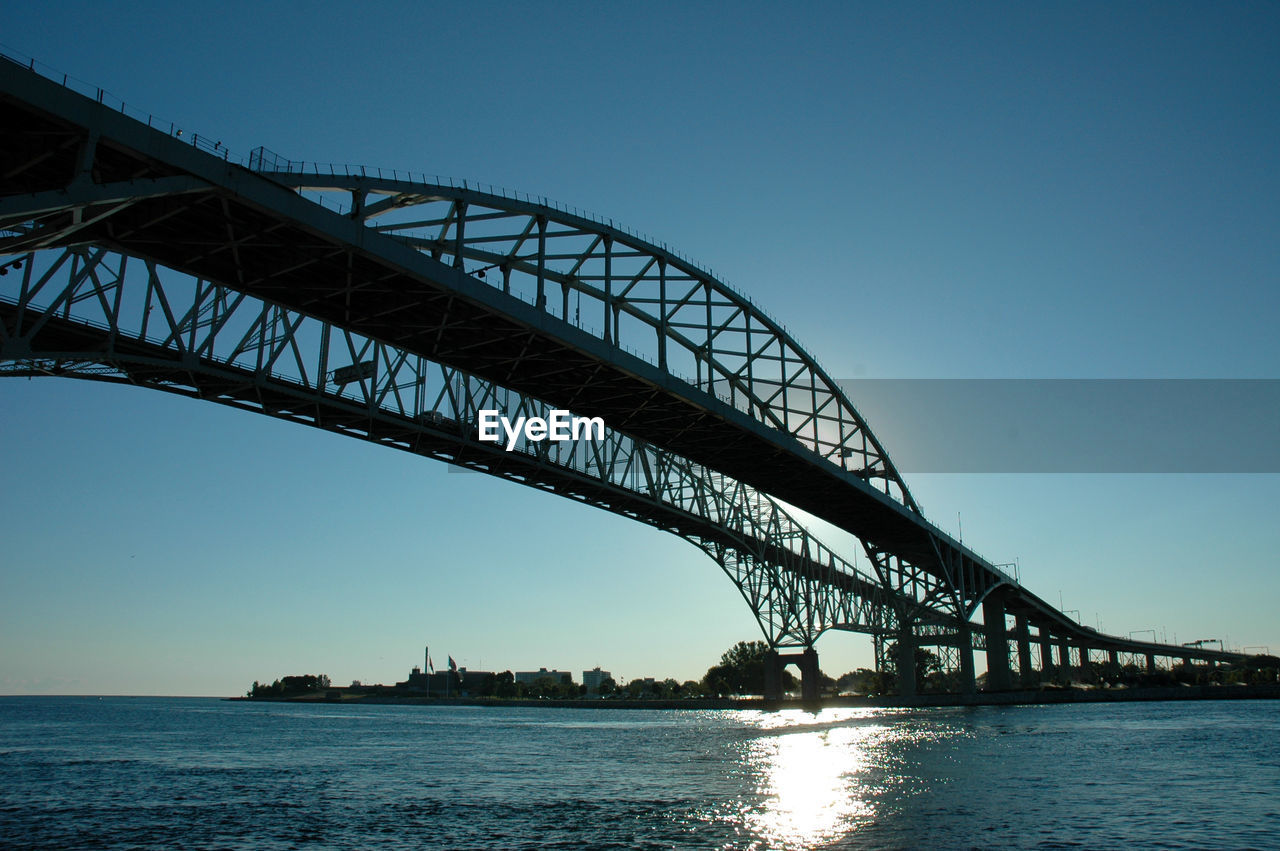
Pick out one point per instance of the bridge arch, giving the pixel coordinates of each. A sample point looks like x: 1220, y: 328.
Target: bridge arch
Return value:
x: 396, y: 266
x: 93, y: 314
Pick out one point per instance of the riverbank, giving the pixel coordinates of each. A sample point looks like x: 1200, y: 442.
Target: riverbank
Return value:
x: 1008, y: 698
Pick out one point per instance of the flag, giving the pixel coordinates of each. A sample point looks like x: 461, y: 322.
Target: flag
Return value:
x: 453, y: 666
x: 430, y: 665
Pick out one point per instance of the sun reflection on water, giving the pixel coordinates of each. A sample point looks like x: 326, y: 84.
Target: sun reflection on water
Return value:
x: 812, y: 776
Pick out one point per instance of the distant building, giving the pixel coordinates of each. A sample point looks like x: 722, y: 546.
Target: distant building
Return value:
x: 593, y: 678
x: 462, y: 683
x: 531, y: 677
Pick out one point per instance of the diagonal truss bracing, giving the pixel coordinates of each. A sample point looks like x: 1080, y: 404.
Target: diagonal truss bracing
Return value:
x: 91, y: 313
x: 428, y: 298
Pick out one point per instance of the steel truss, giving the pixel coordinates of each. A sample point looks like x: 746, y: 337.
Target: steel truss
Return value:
x: 397, y: 306
x: 645, y: 299
x: 86, y: 312
x: 629, y: 292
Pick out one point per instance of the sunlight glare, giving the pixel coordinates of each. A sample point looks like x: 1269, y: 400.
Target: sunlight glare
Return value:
x: 812, y: 784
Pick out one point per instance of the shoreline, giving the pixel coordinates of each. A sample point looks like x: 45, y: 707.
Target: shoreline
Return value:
x: 1008, y: 698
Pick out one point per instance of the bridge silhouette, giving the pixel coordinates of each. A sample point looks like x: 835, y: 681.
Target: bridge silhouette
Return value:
x: 394, y: 307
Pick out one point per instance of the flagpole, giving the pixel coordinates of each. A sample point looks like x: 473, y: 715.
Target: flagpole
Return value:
x: 426, y: 667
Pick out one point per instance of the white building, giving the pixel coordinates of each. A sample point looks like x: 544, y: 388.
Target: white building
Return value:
x: 531, y: 677
x: 593, y: 678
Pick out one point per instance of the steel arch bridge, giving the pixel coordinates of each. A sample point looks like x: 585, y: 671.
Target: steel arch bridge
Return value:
x: 394, y: 307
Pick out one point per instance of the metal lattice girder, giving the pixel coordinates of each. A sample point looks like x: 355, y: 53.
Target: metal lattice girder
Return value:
x: 509, y: 290
x: 397, y: 267
x: 91, y: 313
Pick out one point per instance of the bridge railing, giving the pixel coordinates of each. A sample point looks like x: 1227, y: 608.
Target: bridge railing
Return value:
x: 265, y: 161
x: 207, y: 143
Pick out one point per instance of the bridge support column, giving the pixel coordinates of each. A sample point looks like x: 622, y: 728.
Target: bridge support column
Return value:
x: 964, y: 643
x: 997, y: 643
x: 1046, y: 655
x: 1064, y: 660
x: 906, y: 661
x: 1113, y: 656
x: 775, y: 664
x: 1151, y: 663
x: 809, y: 674
x: 1024, y: 652
x: 773, y: 675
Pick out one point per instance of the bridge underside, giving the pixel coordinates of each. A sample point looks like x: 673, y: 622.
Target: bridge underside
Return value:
x: 90, y: 314
x: 396, y: 301
x: 105, y: 192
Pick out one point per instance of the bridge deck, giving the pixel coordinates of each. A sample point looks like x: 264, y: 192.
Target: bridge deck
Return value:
x: 83, y: 173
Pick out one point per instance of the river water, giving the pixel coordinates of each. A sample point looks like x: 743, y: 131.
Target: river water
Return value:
x: 203, y: 773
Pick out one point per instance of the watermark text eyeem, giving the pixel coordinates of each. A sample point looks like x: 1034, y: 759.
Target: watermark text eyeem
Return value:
x: 558, y: 425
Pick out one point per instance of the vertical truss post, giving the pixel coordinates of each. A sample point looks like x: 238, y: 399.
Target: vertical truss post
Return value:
x: 608, y: 289
x: 662, y: 313
x: 459, y: 234
x: 542, y: 260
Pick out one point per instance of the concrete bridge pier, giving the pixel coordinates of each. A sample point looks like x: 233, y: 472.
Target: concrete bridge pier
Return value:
x: 810, y: 688
x: 773, y: 675
x: 1024, y: 651
x: 1046, y: 655
x: 1151, y: 663
x: 1064, y: 659
x: 775, y: 663
x: 998, y: 677
x: 906, y: 659
x: 964, y: 641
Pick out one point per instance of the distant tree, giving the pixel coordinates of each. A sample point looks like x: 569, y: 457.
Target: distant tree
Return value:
x: 927, y: 663
x: 714, y: 682
x: 544, y: 687
x: 290, y: 686
x: 861, y: 681
x: 504, y: 685
x: 608, y: 686
x: 691, y: 688
x: 741, y: 671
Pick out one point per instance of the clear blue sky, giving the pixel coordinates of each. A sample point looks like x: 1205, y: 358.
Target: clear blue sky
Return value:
x: 937, y: 191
